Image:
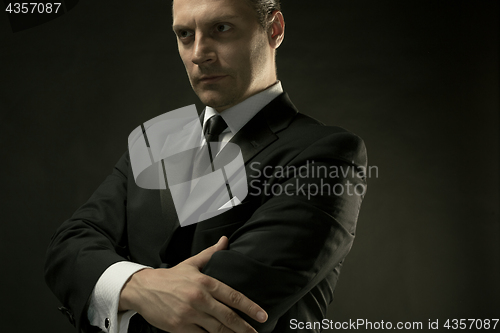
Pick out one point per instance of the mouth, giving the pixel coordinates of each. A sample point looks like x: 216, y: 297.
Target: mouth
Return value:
x: 208, y: 79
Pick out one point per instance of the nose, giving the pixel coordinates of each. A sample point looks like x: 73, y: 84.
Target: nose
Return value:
x: 203, y: 51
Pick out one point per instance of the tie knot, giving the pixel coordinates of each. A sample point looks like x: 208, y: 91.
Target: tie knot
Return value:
x: 214, y: 127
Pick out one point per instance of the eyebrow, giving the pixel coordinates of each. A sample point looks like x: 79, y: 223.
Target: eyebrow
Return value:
x: 211, y: 22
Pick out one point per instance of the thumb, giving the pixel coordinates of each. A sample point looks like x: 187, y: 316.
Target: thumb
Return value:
x: 204, y: 256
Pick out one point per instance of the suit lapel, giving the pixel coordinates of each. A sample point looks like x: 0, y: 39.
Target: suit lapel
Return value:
x: 261, y: 130
x: 256, y: 135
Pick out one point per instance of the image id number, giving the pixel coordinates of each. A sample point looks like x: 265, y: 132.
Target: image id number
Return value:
x: 33, y: 7
x: 471, y: 324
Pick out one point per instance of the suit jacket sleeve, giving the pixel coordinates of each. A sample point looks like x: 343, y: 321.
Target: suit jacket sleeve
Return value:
x: 295, y: 238
x: 84, y: 246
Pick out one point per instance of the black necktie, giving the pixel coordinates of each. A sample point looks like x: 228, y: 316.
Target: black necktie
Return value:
x: 213, y: 128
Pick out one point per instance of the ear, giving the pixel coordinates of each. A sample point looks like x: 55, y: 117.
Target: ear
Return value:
x: 276, y: 29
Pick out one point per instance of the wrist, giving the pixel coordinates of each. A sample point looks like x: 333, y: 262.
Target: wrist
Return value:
x: 129, y: 295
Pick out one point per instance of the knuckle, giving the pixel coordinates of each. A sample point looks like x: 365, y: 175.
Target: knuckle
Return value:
x: 221, y: 328
x: 235, y: 297
x: 213, y: 285
x: 183, y: 311
x: 175, y: 323
x: 251, y: 309
x: 196, y: 296
x: 231, y: 318
x: 203, y: 280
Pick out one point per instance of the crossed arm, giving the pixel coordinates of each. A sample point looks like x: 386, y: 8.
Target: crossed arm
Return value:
x: 288, y: 245
x: 182, y: 299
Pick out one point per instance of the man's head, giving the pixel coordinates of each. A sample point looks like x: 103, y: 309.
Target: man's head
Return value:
x: 228, y: 47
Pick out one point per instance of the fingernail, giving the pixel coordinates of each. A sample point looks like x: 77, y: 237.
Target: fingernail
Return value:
x: 261, y: 316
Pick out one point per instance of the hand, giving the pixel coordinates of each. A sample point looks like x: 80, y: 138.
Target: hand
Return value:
x: 182, y: 299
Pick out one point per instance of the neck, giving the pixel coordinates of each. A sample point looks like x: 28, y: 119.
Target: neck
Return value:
x: 220, y: 109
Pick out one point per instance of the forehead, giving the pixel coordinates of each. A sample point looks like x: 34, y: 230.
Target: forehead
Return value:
x: 187, y: 12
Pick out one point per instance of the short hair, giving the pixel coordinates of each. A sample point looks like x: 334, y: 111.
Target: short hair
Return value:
x: 264, y: 8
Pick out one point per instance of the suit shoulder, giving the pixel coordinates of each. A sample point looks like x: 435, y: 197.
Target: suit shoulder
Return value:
x: 317, y: 128
x: 340, y: 142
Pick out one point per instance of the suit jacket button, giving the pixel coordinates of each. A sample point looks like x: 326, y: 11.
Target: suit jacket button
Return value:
x: 106, y: 323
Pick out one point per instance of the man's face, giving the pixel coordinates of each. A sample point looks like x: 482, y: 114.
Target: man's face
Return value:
x: 226, y: 52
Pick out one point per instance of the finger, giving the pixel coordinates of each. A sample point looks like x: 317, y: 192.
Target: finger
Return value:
x: 192, y: 329
x: 204, y: 256
x: 227, y: 318
x: 210, y: 324
x: 237, y: 300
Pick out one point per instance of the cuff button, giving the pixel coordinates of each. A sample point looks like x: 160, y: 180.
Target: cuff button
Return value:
x: 107, y: 323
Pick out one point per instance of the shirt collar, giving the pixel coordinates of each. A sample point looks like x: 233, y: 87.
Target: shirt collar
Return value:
x: 237, y: 116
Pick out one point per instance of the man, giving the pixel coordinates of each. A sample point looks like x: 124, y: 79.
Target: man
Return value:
x: 277, y: 255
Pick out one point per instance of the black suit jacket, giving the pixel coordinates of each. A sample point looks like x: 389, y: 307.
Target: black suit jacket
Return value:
x: 286, y: 249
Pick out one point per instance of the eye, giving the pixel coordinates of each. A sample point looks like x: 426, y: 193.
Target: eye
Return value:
x: 223, y: 27
x: 184, y: 34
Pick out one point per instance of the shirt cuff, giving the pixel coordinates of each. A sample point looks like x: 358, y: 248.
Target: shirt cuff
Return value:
x: 105, y: 298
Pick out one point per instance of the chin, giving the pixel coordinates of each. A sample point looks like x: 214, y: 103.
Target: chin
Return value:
x: 215, y: 100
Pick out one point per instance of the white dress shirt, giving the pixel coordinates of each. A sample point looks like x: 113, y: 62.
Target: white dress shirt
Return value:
x: 105, y: 298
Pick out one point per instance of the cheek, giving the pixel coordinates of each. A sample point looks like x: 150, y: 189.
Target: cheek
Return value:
x: 237, y: 59
x: 188, y: 65
x: 184, y: 57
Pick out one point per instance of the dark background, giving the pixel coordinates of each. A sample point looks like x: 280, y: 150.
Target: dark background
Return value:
x: 417, y: 80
